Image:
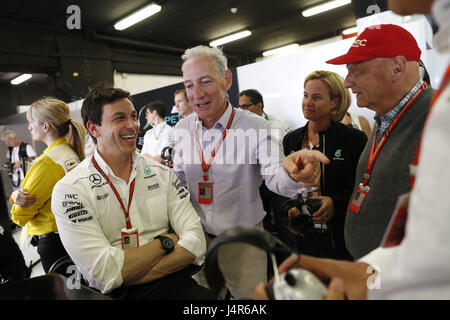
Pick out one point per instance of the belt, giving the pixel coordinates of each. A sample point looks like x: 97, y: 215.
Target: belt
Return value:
x: 51, y: 234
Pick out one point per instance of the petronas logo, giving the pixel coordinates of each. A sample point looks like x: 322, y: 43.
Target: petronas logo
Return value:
x: 337, y: 154
x: 147, y: 170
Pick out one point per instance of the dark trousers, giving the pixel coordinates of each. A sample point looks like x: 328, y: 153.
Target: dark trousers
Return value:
x: 176, y: 286
x: 318, y: 243
x: 12, y: 263
x: 50, y: 249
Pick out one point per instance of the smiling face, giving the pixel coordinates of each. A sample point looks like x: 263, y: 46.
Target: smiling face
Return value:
x: 317, y: 104
x: 206, y: 88
x: 118, y: 131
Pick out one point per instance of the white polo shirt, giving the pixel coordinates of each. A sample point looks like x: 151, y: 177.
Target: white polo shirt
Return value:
x: 158, y: 138
x: 89, y: 216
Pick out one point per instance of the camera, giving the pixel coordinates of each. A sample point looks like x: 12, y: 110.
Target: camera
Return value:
x: 301, y: 224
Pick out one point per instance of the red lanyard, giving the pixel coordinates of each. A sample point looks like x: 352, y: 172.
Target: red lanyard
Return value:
x: 307, y: 140
x: 127, y: 213
x: 374, y: 152
x: 205, y: 166
x: 436, y: 95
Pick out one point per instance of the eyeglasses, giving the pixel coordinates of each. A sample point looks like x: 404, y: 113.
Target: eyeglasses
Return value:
x: 246, y: 106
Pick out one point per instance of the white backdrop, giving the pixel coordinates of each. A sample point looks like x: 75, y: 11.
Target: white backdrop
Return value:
x: 280, y: 79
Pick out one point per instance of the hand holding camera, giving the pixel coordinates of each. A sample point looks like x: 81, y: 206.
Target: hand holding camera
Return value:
x: 320, y: 209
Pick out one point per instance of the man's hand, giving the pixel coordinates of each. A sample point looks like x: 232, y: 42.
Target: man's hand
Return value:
x: 22, y: 198
x: 335, y: 291
x: 354, y: 276
x: 326, y: 211
x: 303, y: 166
x: 323, y: 215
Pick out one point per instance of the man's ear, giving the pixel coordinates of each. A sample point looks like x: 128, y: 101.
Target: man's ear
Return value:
x: 398, y: 66
x: 260, y: 106
x: 228, y: 79
x: 93, y: 129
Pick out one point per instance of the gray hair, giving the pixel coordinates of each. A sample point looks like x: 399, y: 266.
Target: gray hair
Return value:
x: 8, y: 134
x: 215, y: 53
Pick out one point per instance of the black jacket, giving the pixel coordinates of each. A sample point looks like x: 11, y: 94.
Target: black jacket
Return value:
x: 343, y: 146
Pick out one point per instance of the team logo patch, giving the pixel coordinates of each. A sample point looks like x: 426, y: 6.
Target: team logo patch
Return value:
x: 147, y: 170
x: 95, y: 178
x: 338, y: 155
x: 72, y: 163
x: 338, y: 152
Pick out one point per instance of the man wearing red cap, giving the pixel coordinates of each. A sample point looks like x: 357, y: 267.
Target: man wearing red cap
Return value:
x: 417, y: 267
x: 383, y: 73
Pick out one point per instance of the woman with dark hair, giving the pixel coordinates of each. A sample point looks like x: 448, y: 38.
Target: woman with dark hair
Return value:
x: 49, y: 122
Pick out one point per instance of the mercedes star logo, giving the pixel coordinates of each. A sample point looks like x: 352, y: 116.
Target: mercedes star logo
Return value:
x: 95, y: 178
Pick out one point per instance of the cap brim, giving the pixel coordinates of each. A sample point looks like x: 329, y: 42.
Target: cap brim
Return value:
x: 348, y: 58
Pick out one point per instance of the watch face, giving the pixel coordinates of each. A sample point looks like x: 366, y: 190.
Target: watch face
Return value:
x: 167, y: 242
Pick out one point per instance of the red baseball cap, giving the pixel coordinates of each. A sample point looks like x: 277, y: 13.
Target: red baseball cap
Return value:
x: 381, y: 41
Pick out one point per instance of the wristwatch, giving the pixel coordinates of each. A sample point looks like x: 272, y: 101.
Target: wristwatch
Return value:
x: 166, y: 243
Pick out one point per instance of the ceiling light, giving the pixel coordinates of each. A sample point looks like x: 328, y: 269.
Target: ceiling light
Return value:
x: 324, y: 7
x: 350, y: 31
x: 140, y: 15
x: 22, y: 78
x: 284, y: 49
x: 230, y: 38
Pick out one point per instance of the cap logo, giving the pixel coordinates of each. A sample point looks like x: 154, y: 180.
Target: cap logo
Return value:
x: 359, y: 43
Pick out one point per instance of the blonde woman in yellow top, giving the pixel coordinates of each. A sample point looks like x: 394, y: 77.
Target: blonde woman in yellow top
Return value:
x: 49, y: 122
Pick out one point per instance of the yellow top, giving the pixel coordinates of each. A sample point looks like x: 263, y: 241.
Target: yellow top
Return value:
x: 39, y: 181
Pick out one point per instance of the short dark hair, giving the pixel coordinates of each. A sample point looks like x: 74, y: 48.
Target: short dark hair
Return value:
x: 158, y: 106
x: 254, y: 95
x: 92, y: 108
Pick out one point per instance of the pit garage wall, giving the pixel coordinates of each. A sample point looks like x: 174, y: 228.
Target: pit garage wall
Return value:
x: 280, y: 79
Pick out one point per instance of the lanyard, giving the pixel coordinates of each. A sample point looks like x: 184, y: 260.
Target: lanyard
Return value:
x: 374, y: 152
x: 436, y: 95
x: 127, y: 213
x: 205, y: 166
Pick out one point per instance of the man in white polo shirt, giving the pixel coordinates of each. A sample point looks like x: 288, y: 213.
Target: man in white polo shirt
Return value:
x: 160, y: 136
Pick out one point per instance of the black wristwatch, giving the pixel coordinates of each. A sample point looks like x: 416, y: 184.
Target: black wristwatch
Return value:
x: 166, y: 243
